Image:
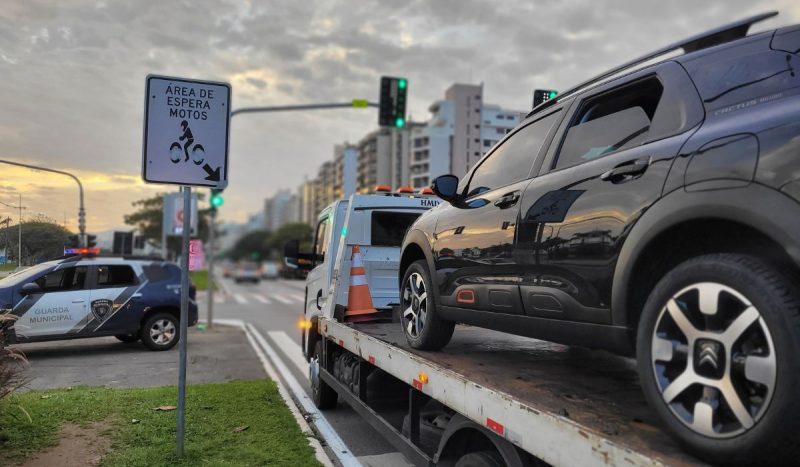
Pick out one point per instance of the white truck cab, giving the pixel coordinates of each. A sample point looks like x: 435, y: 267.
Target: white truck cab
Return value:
x: 374, y: 222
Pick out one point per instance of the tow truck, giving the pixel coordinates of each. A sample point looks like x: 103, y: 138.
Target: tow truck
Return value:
x: 488, y: 398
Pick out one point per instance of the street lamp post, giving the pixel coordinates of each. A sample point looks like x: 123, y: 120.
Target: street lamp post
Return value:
x: 81, y: 210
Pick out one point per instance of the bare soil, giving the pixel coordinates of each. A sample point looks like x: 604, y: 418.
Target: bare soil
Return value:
x: 78, y: 446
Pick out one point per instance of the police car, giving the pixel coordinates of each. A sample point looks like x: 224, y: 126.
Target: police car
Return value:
x: 80, y: 296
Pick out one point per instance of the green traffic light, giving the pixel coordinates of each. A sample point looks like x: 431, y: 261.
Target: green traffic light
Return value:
x: 400, y: 122
x: 217, y: 201
x: 402, y: 84
x: 553, y: 94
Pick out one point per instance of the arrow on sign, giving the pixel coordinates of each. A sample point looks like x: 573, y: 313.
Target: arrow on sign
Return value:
x: 213, y: 175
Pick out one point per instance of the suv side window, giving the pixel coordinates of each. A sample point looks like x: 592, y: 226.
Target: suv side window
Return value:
x: 62, y: 280
x: 321, y: 240
x: 115, y: 276
x: 610, y: 122
x: 512, y: 161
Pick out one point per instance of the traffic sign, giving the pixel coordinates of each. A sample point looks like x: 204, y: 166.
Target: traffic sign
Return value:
x: 186, y: 132
x: 197, y: 257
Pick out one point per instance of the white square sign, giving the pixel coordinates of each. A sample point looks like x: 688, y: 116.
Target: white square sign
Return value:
x: 186, y: 132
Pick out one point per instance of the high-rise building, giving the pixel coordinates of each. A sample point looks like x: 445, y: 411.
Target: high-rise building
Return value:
x: 374, y: 160
x: 280, y: 209
x: 345, y: 157
x: 460, y: 131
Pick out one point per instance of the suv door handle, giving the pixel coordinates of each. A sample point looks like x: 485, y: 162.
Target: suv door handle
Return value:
x: 507, y: 200
x: 627, y: 170
x: 78, y: 300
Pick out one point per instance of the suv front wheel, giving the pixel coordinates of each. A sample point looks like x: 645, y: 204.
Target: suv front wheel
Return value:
x: 423, y: 327
x: 717, y: 349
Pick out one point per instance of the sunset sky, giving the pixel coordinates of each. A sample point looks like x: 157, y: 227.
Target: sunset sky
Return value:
x: 72, y: 77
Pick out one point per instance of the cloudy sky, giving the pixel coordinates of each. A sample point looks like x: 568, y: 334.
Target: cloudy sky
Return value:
x: 72, y: 76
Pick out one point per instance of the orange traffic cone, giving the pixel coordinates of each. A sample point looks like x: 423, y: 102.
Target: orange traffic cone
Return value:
x: 359, y: 300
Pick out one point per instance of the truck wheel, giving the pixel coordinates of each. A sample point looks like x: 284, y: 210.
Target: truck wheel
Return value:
x: 160, y: 331
x: 481, y: 459
x: 324, y: 396
x: 128, y: 338
x: 717, y: 345
x: 423, y: 327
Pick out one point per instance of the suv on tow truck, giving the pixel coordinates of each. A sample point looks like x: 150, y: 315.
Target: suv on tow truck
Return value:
x: 79, y: 297
x: 651, y: 211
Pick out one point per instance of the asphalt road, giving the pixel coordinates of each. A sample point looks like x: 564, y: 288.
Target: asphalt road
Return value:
x: 275, y: 308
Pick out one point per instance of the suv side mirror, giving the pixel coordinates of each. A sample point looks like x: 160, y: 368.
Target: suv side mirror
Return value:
x: 30, y: 288
x: 445, y: 187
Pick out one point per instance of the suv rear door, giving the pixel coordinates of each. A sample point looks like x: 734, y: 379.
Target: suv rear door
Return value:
x: 59, y: 308
x: 607, y: 165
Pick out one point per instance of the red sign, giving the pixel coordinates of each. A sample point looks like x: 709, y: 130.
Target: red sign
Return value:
x: 197, y: 257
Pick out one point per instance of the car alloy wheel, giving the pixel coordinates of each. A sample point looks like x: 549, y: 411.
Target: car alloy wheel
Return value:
x: 162, y: 331
x: 415, y: 305
x: 713, y: 360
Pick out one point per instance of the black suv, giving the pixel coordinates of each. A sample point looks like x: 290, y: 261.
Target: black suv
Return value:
x: 651, y: 211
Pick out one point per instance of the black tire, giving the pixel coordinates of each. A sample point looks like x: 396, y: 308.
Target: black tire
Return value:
x: 773, y: 335
x: 423, y: 327
x: 166, y: 339
x: 481, y: 459
x: 128, y: 338
x: 324, y: 396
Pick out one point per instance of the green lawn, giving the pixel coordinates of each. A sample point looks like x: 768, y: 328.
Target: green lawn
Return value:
x: 8, y: 267
x: 200, y: 279
x: 213, y: 411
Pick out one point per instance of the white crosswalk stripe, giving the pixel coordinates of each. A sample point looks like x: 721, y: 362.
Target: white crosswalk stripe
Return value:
x: 262, y: 299
x: 240, y: 299
x: 281, y: 299
x: 219, y: 299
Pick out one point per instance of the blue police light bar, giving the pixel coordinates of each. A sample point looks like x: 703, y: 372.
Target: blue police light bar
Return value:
x: 82, y: 251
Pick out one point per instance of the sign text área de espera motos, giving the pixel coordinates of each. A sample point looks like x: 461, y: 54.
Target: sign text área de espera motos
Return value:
x: 186, y: 132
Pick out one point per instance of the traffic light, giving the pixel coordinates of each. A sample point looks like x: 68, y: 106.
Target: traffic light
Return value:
x: 392, y: 108
x: 91, y: 241
x: 73, y: 241
x: 216, y: 198
x: 543, y: 95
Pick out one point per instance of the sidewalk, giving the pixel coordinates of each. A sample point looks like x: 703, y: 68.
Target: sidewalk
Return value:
x: 217, y: 355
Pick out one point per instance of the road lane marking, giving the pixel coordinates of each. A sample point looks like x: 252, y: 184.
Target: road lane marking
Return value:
x: 298, y: 297
x: 261, y: 299
x: 218, y: 299
x: 282, y: 299
x: 335, y: 443
x: 240, y: 299
x: 291, y: 348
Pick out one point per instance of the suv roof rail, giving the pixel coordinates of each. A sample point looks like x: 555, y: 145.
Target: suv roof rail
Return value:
x: 716, y: 36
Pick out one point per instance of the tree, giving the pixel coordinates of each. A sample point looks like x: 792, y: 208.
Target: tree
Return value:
x: 286, y: 232
x: 148, y: 219
x: 252, y: 246
x: 42, y: 239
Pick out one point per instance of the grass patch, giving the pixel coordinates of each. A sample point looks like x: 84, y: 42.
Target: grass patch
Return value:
x: 8, y: 267
x: 213, y: 412
x: 200, y: 279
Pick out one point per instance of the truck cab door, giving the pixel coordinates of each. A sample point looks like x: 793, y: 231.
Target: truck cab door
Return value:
x: 317, y: 280
x: 59, y: 309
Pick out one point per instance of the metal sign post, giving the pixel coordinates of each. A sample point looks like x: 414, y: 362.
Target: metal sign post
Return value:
x: 184, y: 324
x: 210, y: 281
x: 186, y: 132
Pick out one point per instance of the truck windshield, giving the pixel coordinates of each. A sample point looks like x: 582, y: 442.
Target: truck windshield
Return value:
x: 389, y: 228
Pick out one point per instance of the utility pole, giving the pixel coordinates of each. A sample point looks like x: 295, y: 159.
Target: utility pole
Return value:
x: 81, y: 210
x: 19, y: 235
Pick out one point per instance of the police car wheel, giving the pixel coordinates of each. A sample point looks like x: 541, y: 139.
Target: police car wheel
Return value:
x: 128, y: 338
x: 160, y: 332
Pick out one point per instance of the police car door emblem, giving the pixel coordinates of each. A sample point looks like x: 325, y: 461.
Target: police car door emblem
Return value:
x: 102, y: 308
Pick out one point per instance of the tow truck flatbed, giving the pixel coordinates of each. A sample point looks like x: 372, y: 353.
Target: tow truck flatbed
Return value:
x: 564, y: 405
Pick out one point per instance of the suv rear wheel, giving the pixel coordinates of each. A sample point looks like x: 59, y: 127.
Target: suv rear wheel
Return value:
x: 717, y: 347
x: 160, y: 331
x: 423, y: 327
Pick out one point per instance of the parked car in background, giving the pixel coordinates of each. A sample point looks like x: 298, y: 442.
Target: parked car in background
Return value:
x: 269, y: 270
x: 247, y: 271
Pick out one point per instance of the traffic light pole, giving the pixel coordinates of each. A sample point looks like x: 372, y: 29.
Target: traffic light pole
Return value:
x: 81, y: 210
x: 356, y: 103
x: 210, y: 281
